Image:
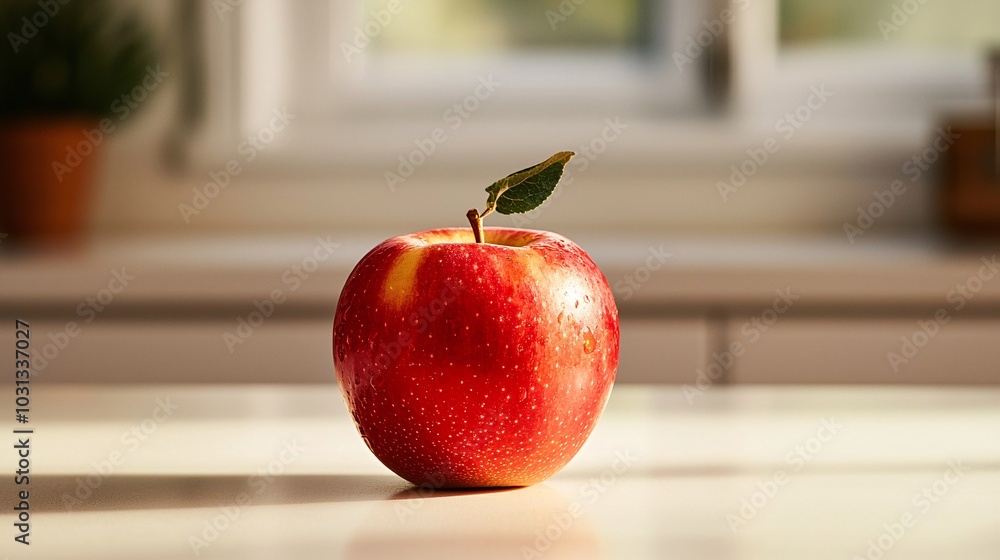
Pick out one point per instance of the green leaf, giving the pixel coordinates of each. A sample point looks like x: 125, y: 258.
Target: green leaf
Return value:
x: 527, y: 189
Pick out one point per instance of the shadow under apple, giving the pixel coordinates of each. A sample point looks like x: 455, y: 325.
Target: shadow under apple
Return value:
x: 530, y: 522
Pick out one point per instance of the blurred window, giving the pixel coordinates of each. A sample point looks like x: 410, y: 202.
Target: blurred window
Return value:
x: 366, y: 77
x: 512, y: 25
x: 894, y: 65
x: 392, y: 57
x: 970, y: 23
x: 345, y: 67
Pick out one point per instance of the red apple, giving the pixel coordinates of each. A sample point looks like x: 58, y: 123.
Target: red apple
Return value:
x: 476, y: 364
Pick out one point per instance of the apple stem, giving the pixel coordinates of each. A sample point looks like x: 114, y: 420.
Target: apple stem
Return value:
x: 477, y: 224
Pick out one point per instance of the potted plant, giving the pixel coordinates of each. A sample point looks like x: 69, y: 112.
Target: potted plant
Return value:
x: 66, y: 66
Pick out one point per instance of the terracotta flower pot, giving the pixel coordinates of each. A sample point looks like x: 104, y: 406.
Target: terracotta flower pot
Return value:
x: 46, y: 174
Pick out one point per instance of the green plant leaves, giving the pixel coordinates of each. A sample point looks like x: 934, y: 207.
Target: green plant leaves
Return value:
x: 526, y: 189
x: 82, y: 58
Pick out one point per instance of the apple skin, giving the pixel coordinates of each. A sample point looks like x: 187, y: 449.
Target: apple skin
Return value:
x: 471, y: 364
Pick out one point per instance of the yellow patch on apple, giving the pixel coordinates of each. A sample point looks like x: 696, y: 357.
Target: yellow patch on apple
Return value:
x: 399, y: 282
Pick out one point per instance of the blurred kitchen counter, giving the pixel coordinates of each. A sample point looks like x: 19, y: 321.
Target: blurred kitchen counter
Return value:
x: 278, y: 471
x: 805, y: 309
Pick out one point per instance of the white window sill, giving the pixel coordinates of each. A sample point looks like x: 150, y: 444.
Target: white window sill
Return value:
x: 628, y: 141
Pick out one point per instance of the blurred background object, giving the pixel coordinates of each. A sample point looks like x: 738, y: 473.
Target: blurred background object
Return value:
x: 70, y: 68
x: 971, y: 178
x: 727, y: 152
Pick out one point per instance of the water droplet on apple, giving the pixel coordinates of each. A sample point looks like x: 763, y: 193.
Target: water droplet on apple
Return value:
x: 589, y: 341
x: 361, y: 430
x: 586, y: 298
x: 577, y: 304
x: 559, y: 318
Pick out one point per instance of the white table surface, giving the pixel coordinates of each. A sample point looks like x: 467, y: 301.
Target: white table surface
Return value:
x: 678, y: 494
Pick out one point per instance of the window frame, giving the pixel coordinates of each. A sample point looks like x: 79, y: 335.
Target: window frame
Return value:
x: 890, y: 84
x: 333, y: 127
x: 882, y: 94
